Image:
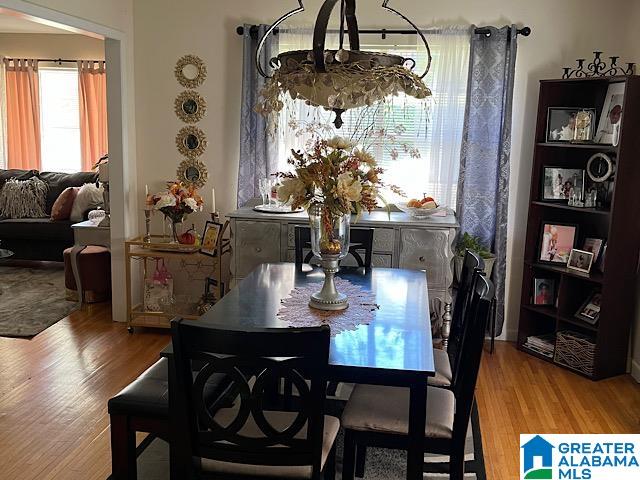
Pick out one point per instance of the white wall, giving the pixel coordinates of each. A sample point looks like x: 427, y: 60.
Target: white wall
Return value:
x: 165, y: 30
x: 51, y: 45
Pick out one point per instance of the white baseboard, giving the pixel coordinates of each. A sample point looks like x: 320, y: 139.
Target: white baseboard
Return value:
x: 635, y: 369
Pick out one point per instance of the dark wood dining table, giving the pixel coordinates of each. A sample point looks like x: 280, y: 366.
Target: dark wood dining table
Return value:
x: 394, y: 349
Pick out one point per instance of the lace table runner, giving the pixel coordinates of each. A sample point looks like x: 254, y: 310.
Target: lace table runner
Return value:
x: 296, y: 311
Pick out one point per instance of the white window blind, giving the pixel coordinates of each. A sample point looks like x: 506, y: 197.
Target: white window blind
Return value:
x: 60, y: 120
x: 434, y: 128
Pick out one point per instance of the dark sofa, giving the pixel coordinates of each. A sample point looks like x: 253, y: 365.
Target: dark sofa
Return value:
x: 41, y: 238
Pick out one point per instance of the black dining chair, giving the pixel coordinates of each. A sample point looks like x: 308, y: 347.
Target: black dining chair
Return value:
x: 446, y: 361
x: 359, y: 239
x: 379, y: 416
x: 253, y: 438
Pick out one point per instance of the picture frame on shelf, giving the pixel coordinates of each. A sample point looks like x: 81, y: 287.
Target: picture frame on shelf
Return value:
x: 558, y: 183
x: 570, y: 124
x: 608, y: 132
x: 544, y: 291
x: 210, y: 238
x: 593, y: 245
x: 556, y: 242
x: 589, y: 311
x: 580, y: 260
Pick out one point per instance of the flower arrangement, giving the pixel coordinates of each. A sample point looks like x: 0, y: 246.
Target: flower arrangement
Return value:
x: 177, y: 202
x: 335, y: 173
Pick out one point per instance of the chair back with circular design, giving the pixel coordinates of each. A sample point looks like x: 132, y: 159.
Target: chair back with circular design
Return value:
x: 255, y: 361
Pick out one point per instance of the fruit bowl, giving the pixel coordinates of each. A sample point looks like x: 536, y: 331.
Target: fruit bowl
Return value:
x: 420, y: 212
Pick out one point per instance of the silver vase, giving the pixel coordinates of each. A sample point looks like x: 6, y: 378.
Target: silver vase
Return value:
x: 330, y: 243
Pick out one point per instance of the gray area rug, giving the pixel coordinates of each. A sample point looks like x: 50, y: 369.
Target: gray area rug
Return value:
x: 32, y: 299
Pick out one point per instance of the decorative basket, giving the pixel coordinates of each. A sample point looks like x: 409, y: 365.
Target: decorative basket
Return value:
x: 575, y: 350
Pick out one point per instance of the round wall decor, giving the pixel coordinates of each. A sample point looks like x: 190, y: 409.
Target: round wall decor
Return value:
x: 190, y: 106
x: 191, y: 141
x: 192, y: 172
x: 190, y: 71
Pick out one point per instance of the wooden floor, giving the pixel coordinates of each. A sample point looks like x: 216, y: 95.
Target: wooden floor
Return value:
x: 54, y: 390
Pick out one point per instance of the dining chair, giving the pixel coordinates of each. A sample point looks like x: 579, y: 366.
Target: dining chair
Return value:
x: 446, y: 361
x: 359, y: 239
x: 253, y: 439
x: 379, y: 416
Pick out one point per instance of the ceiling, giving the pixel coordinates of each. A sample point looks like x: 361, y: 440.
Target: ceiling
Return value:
x: 11, y: 24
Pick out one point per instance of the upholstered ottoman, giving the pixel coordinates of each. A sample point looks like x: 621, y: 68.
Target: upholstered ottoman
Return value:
x: 94, y: 268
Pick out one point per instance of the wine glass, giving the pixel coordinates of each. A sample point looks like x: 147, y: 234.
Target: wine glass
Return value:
x: 264, y: 187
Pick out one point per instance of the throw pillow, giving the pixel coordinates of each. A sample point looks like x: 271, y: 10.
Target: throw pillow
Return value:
x: 23, y: 198
x: 89, y: 197
x: 61, y: 209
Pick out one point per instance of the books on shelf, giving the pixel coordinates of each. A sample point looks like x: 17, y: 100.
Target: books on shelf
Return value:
x: 542, y: 344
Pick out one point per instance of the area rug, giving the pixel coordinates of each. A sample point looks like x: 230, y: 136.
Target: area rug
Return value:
x: 32, y: 299
x: 382, y: 464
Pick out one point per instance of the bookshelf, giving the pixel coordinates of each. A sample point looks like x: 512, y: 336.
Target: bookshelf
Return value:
x: 606, y: 343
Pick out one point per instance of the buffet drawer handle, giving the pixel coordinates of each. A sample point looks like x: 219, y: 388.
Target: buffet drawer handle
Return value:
x: 422, y: 259
x: 258, y: 249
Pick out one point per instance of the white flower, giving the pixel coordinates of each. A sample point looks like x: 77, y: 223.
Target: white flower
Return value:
x: 291, y: 187
x: 166, y: 200
x: 349, y: 187
x: 365, y: 157
x: 191, y: 203
x: 340, y: 143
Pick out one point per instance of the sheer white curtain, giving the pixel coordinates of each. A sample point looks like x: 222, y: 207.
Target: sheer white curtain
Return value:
x: 435, y: 128
x: 3, y: 114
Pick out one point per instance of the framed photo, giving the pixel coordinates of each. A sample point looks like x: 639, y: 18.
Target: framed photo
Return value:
x: 609, y: 124
x: 561, y: 124
x: 590, y: 309
x: 556, y: 242
x: 593, y: 245
x: 580, y: 260
x: 210, y: 238
x: 544, y: 291
x: 558, y: 182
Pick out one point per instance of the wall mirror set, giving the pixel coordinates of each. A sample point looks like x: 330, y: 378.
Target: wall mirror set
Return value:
x: 190, y: 107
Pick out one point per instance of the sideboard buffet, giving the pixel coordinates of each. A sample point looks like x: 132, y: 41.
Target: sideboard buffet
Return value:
x: 399, y: 241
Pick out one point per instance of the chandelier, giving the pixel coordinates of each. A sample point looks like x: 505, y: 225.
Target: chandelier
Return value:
x: 341, y: 79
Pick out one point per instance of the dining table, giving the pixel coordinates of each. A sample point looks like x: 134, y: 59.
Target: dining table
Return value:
x: 394, y: 347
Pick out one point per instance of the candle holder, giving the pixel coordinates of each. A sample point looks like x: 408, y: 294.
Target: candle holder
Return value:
x: 147, y: 225
x: 215, y: 217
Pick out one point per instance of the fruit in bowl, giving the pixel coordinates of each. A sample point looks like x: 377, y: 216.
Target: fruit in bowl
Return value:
x: 420, y: 208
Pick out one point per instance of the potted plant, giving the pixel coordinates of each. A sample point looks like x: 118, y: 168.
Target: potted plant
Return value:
x: 474, y: 244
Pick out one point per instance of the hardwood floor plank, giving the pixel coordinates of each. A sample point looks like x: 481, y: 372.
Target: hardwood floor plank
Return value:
x: 54, y: 390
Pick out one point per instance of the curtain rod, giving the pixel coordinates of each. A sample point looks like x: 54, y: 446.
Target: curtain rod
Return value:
x: 56, y: 60
x: 524, y: 31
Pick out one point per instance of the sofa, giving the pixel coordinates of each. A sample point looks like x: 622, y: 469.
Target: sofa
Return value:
x: 41, y: 238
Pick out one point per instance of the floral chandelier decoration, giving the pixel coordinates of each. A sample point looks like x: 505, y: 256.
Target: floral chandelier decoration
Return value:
x: 340, y: 79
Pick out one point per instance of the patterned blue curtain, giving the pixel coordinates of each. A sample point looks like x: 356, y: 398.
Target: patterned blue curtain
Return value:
x: 258, y: 151
x: 483, y: 185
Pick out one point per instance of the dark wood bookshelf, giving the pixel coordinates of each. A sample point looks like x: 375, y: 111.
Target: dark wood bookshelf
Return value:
x: 616, y: 224
x: 564, y: 206
x: 581, y: 146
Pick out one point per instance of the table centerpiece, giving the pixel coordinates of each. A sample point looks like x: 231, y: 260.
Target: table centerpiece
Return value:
x: 331, y: 179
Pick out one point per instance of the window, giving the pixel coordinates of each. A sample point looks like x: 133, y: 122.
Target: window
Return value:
x: 60, y: 120
x: 435, y: 130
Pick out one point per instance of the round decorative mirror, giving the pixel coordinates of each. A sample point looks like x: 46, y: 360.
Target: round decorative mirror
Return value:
x: 190, y: 107
x: 192, y: 172
x: 191, y: 141
x: 190, y: 71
